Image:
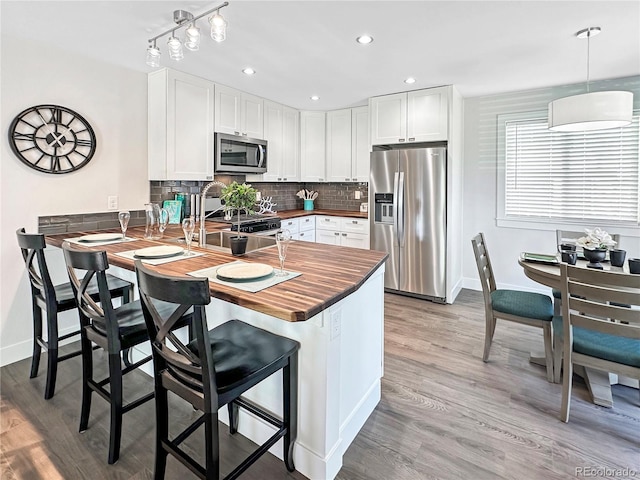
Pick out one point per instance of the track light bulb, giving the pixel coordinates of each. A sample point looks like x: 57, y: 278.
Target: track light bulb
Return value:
x: 175, y: 48
x: 218, y: 27
x: 153, y: 56
x: 192, y: 38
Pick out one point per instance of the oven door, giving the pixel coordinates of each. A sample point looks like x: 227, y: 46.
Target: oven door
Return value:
x: 236, y: 154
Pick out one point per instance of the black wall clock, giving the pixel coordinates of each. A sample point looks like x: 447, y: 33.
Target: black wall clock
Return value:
x: 52, y: 139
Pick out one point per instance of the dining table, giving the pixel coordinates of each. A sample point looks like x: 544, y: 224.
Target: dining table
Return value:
x: 548, y: 274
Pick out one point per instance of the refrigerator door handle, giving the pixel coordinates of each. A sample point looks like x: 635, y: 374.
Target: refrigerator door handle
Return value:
x: 400, y: 213
x: 396, y: 181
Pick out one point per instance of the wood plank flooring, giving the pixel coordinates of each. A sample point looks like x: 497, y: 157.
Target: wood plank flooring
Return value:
x: 444, y: 414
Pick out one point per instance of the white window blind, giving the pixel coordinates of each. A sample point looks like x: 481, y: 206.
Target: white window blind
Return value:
x: 587, y: 176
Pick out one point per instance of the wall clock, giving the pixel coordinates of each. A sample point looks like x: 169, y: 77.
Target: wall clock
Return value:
x: 52, y: 139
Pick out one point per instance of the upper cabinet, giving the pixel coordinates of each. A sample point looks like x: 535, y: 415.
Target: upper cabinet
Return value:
x: 180, y: 126
x: 348, y: 145
x: 281, y: 131
x: 418, y: 116
x: 238, y: 113
x: 312, y: 147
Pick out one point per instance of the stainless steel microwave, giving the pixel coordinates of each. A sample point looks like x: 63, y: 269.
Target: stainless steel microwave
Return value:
x: 236, y: 154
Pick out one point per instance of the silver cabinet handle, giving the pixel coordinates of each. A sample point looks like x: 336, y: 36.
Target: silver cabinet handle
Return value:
x: 284, y: 179
x: 236, y: 133
x: 279, y: 178
x: 327, y: 219
x: 344, y: 234
x: 321, y: 179
x: 401, y: 140
x: 354, y: 221
x: 302, y: 234
x: 336, y: 233
x: 347, y: 179
x: 354, y: 179
x: 412, y: 139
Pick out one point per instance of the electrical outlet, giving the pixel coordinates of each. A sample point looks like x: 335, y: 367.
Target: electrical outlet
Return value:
x: 336, y: 318
x: 358, y: 194
x: 258, y: 196
x: 112, y: 202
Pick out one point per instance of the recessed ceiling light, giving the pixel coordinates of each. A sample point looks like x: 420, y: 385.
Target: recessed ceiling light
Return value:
x: 364, y: 39
x: 315, y: 97
x: 248, y: 71
x: 410, y: 80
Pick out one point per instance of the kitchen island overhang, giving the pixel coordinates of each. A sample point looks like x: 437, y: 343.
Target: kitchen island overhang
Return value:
x: 335, y: 309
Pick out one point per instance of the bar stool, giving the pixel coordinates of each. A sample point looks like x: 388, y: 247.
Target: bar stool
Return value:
x: 114, y: 330
x: 212, y: 371
x: 53, y: 299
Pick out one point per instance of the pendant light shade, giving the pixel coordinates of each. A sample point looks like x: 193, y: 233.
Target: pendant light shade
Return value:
x: 591, y: 111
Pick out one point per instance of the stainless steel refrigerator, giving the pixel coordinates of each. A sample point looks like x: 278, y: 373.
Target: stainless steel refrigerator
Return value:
x: 407, y: 201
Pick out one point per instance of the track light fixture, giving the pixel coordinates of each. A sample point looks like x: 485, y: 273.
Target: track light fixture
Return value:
x: 191, y: 34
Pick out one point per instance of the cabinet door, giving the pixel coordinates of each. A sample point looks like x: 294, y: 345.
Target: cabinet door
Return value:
x: 252, y: 116
x: 360, y: 155
x: 388, y: 119
x: 354, y: 225
x: 228, y: 114
x: 180, y: 135
x: 307, y: 223
x: 427, y: 118
x: 290, y: 170
x: 312, y: 146
x: 273, y: 134
x: 330, y: 237
x: 355, y: 240
x: 339, y: 146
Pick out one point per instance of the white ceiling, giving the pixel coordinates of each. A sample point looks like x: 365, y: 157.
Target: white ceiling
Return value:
x: 301, y: 48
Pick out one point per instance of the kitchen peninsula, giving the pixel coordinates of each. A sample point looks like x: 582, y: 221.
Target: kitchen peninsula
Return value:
x: 334, y: 309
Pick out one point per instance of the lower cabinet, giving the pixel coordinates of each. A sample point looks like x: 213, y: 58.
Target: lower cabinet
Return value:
x: 343, y: 231
x: 306, y: 228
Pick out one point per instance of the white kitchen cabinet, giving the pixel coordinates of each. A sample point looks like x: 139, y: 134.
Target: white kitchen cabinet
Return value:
x: 180, y: 126
x: 307, y: 223
x: 348, y: 145
x: 308, y: 236
x: 360, y: 151
x: 291, y: 224
x: 281, y: 131
x: 312, y: 147
x: 338, y: 140
x: 417, y: 116
x: 238, y: 113
x: 344, y: 231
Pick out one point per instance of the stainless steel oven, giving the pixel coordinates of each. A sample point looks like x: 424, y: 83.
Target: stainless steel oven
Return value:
x: 236, y: 154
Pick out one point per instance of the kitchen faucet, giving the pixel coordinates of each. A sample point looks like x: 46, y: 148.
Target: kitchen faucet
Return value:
x: 202, y: 239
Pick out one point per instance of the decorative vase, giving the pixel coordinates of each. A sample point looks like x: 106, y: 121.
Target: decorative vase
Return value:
x: 595, y: 256
x: 238, y: 245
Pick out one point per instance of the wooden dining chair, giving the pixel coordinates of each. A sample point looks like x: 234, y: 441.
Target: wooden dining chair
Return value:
x: 53, y: 299
x: 570, y: 237
x: 600, y: 324
x: 113, y: 329
x: 527, y: 308
x: 211, y: 371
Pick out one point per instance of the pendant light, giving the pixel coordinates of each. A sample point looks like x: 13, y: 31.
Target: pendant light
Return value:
x: 591, y: 110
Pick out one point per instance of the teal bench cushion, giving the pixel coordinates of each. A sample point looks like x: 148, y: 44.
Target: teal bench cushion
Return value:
x: 523, y: 304
x: 601, y: 345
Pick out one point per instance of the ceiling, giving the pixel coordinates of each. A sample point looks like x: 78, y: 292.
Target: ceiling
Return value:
x: 304, y: 48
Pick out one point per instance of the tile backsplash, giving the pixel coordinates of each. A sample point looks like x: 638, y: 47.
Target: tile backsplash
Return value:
x: 331, y: 196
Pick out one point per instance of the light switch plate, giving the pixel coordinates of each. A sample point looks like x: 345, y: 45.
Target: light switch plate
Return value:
x: 112, y: 202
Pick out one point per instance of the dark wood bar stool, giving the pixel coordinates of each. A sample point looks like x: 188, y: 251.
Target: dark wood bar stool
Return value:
x: 54, y: 299
x: 114, y: 330
x: 212, y: 371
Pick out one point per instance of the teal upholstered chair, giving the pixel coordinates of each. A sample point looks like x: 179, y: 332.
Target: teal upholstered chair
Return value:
x: 600, y: 324
x: 527, y: 308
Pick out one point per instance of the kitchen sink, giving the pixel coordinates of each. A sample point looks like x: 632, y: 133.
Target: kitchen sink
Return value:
x: 220, y: 241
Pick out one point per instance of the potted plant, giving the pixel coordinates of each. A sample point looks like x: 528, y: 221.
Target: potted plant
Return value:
x: 240, y: 197
x: 594, y: 246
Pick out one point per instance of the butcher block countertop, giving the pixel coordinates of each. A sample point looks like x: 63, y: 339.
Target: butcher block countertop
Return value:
x: 329, y: 273
x: 284, y: 214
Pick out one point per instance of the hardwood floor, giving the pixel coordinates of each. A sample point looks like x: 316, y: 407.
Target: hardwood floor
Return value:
x: 444, y: 414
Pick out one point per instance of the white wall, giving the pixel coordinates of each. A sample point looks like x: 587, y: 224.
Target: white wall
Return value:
x: 480, y: 184
x: 114, y: 101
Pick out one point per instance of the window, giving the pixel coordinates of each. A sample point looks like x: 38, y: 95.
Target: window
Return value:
x: 588, y: 177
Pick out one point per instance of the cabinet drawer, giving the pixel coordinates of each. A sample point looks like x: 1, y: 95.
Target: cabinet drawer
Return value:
x: 355, y: 240
x: 327, y: 223
x: 355, y: 225
x: 306, y: 236
x: 307, y: 223
x: 291, y: 224
x: 331, y: 237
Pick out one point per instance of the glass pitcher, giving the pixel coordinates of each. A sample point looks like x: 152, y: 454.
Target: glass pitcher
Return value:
x: 157, y: 219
